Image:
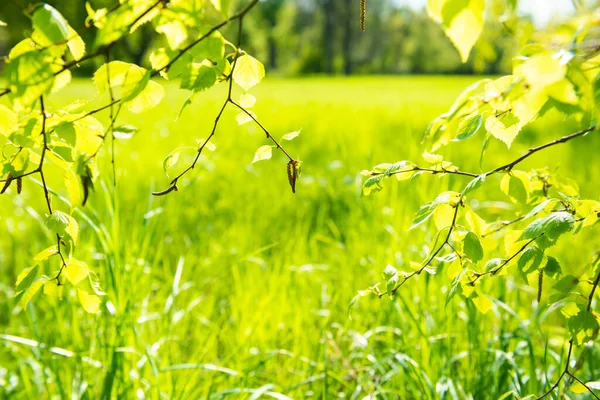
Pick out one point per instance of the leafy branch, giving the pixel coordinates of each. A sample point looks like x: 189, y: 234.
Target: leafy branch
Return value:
x: 228, y: 100
x: 566, y: 371
x: 429, y: 259
x: 503, y: 168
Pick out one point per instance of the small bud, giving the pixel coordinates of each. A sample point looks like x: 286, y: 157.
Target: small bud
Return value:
x: 19, y: 185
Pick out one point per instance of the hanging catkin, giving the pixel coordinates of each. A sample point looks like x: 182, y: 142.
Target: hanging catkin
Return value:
x: 363, y: 14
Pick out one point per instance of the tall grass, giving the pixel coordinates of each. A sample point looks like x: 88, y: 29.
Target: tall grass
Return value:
x: 234, y: 287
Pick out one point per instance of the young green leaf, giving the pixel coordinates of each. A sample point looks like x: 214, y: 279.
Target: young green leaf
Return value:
x: 47, y: 20
x: 248, y: 72
x: 469, y: 126
x: 472, y: 247
x: 552, y: 226
x: 90, y: 302
x: 291, y: 135
x: 263, y: 153
x: 125, y: 132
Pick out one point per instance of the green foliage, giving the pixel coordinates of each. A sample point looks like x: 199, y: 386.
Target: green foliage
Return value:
x: 36, y: 137
x: 544, y: 79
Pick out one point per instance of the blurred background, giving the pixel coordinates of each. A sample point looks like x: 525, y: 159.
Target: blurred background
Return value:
x: 296, y: 37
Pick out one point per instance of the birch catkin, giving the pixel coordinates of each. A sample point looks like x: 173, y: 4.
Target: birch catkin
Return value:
x: 363, y: 14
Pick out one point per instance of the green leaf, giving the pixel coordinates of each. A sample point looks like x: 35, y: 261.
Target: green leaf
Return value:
x: 472, y: 247
x: 28, y: 293
x: 76, y: 44
x: 29, y: 76
x: 552, y: 226
x: 45, y: 254
x: 58, y: 222
x: 248, y: 72
x: 492, y: 264
x: 583, y: 327
x: 291, y: 135
x: 90, y: 302
x: 398, y: 167
x: 172, y: 158
x: 26, y: 278
x: 175, y: 31
x: 125, y: 132
x: 198, y: 77
x: 248, y: 101
x: 504, y: 128
x: 566, y: 284
x: 47, y: 20
x: 76, y: 271
x: 126, y: 80
x: 483, y: 303
x: 147, y: 99
x: 552, y: 268
x: 389, y: 272
x: 355, y: 299
x: 210, y: 48
x: 263, y: 153
x: 427, y: 209
x: 469, y: 126
x: 66, y: 131
x: 8, y: 121
x: 462, y: 21
x: 514, y: 187
x: 537, y: 209
x: 475, y: 184
x: 530, y: 260
x: 372, y: 185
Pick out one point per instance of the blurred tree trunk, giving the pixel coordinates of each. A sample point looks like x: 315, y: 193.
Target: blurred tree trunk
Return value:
x: 328, y: 30
x: 347, y: 37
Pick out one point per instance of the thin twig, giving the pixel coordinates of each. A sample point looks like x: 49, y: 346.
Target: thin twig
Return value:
x: 497, y: 269
x: 240, y: 15
x: 433, y: 255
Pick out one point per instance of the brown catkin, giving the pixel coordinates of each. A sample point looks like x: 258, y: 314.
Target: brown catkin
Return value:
x: 540, y: 285
x: 9, y: 180
x: 292, y: 174
x: 363, y: 15
x: 19, y: 185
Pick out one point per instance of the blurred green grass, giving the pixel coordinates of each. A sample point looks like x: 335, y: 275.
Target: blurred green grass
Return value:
x: 235, y: 286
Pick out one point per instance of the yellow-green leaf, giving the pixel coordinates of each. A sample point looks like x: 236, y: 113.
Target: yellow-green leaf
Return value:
x: 432, y: 158
x: 248, y: 72
x: 8, y: 121
x: 263, y: 153
x: 175, y: 32
x: 541, y: 69
x: 247, y: 100
x: 26, y: 277
x: 43, y: 255
x: 76, y: 44
x: 291, y: 135
x: 243, y: 117
x: 483, y: 303
x: 462, y: 22
x: 147, y: 99
x: 47, y: 20
x: 76, y: 271
x: 53, y: 290
x: 90, y: 302
x: 28, y: 294
x: 503, y: 128
x: 73, y: 188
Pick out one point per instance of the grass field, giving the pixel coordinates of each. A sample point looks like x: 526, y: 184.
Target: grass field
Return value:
x: 234, y: 287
